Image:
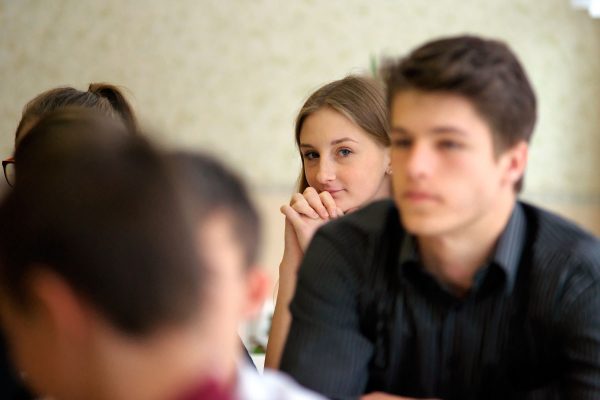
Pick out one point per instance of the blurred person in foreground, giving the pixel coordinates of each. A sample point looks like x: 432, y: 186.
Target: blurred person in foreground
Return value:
x: 107, y: 275
x: 103, y: 98
x: 455, y: 289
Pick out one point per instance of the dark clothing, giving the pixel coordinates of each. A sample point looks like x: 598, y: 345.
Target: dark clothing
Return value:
x: 11, y: 387
x: 247, y: 358
x: 529, y: 328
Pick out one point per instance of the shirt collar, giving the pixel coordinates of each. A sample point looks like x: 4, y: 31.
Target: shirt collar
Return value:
x: 509, y: 248
x: 408, y: 250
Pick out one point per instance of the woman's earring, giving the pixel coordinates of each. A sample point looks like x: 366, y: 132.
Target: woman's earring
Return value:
x: 388, y: 171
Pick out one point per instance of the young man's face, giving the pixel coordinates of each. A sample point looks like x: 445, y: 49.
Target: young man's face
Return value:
x: 446, y: 177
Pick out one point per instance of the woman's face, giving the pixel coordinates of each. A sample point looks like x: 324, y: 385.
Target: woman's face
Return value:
x: 344, y: 160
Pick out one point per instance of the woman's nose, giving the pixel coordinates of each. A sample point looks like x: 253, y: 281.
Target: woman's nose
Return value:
x: 326, y: 172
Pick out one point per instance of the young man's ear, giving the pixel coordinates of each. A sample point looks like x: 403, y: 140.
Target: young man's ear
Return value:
x: 515, y: 160
x: 257, y: 284
x: 65, y: 309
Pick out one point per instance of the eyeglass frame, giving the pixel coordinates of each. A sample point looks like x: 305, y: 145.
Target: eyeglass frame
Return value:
x: 8, y: 161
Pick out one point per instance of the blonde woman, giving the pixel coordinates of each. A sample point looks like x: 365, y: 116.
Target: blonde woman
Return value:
x: 342, y: 134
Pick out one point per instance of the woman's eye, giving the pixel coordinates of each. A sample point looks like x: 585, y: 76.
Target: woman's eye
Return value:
x: 344, y: 152
x: 310, y: 155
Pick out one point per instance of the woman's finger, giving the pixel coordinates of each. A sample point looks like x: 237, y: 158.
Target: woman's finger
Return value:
x: 314, y: 200
x: 300, y: 204
x: 293, y: 216
x: 329, y: 203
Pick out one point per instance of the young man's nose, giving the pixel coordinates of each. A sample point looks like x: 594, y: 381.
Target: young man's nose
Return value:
x: 419, y: 161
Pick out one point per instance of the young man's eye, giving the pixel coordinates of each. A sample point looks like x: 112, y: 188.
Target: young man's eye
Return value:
x: 450, y: 145
x: 310, y: 155
x: 401, y: 142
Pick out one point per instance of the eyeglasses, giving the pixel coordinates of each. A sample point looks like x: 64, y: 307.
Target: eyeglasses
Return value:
x: 8, y: 166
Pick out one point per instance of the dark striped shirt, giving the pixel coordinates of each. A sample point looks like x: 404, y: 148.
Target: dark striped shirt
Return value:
x: 529, y: 328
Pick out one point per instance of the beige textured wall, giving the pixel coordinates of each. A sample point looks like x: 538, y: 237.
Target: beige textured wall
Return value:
x: 230, y: 75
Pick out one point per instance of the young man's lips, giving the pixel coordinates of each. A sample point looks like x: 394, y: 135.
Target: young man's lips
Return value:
x: 419, y: 196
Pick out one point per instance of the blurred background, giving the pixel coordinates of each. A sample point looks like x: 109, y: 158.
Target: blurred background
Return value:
x: 228, y: 76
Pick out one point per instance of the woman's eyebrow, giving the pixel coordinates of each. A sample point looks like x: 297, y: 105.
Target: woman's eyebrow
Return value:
x: 333, y: 142
x: 345, y: 139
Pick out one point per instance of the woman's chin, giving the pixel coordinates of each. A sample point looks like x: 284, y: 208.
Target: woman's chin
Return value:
x: 351, y: 210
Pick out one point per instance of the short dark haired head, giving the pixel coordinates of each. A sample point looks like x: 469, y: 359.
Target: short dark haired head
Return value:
x: 99, y: 207
x: 104, y: 98
x: 214, y: 188
x: 485, y: 72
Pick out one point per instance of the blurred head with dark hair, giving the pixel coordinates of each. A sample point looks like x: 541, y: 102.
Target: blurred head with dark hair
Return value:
x: 217, y: 190
x: 101, y: 275
x: 462, y: 112
x: 229, y: 238
x: 104, y: 98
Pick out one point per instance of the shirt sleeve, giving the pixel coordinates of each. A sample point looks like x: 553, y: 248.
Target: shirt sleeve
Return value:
x: 581, y: 344
x: 325, y: 350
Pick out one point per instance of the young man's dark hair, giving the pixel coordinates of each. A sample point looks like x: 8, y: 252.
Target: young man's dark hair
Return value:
x: 484, y: 71
x: 455, y: 290
x: 97, y: 205
x: 214, y: 188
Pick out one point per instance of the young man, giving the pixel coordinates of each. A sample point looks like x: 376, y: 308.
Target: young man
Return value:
x: 456, y: 289
x: 229, y: 236
x: 118, y: 279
